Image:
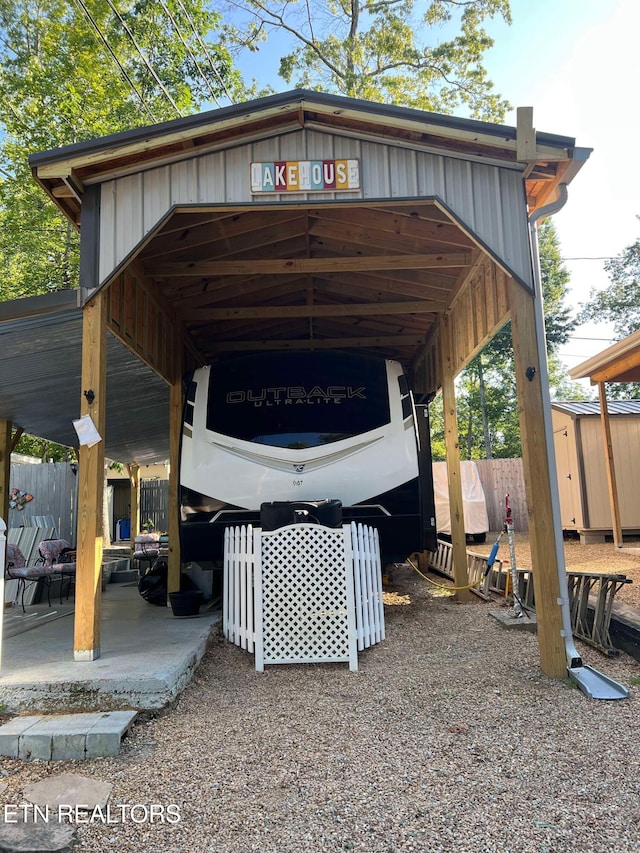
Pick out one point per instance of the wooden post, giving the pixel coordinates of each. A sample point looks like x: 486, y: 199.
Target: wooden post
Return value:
x: 537, y: 479
x: 91, y: 483
x: 614, y: 503
x: 175, y: 430
x: 5, y: 469
x: 134, y: 500
x: 458, y: 534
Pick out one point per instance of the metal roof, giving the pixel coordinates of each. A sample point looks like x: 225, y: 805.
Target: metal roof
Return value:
x: 41, y: 346
x: 615, y: 407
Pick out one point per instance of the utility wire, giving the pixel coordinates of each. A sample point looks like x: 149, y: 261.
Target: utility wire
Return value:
x: 115, y: 59
x: 144, y: 58
x: 189, y: 51
x: 206, y: 51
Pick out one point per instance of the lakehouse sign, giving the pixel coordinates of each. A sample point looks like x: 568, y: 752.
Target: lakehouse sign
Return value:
x: 305, y: 176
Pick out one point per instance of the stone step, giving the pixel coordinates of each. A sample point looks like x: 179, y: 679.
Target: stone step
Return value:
x: 63, y: 737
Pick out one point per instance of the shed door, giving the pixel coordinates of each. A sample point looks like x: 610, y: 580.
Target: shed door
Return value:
x: 568, y: 478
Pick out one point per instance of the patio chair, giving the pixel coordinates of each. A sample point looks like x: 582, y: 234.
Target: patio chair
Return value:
x: 59, y: 557
x: 16, y: 569
x: 146, y: 548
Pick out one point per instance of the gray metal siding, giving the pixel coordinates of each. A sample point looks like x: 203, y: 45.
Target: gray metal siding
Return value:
x: 488, y: 199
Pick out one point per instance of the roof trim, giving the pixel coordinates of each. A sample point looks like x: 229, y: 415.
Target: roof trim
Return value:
x: 502, y: 133
x: 616, y: 359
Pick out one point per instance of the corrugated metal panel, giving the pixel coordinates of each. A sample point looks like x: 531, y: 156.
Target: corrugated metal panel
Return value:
x: 374, y: 171
x: 403, y: 173
x: 40, y: 389
x: 489, y: 200
x: 459, y: 190
x: 184, y: 182
x: 487, y: 204
x: 513, y: 209
x: 431, y: 181
x: 237, y: 167
x: 615, y: 407
x: 156, y: 191
x: 108, y: 210
x: 128, y: 216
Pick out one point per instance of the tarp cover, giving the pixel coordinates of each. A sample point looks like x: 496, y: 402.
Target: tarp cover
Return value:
x: 473, y: 500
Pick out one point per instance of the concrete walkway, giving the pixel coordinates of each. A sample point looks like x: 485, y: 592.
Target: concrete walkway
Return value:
x: 147, y: 658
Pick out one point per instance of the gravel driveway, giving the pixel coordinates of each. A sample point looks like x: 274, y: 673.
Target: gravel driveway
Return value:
x: 448, y: 738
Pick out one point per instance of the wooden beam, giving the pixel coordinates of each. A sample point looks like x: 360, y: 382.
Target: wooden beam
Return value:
x: 295, y: 266
x: 619, y: 367
x: 91, y: 482
x: 362, y: 309
x: 175, y: 432
x: 17, y: 435
x: 320, y: 343
x: 614, y: 502
x: 538, y: 483
x: 525, y: 135
x: 456, y: 506
x: 134, y: 479
x: 5, y: 471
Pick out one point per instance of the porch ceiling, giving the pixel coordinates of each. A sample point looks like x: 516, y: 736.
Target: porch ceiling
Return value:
x: 343, y: 276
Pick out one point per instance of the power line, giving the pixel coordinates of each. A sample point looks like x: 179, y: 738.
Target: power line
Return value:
x: 115, y: 58
x: 144, y: 58
x: 206, y: 51
x: 189, y: 51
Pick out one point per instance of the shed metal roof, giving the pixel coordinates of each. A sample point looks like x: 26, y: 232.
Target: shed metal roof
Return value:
x: 615, y: 407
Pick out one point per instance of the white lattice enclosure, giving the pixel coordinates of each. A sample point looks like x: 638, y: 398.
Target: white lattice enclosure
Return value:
x: 303, y: 593
x: 237, y: 597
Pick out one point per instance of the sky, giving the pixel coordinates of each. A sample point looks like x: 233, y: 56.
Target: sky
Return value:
x: 576, y: 62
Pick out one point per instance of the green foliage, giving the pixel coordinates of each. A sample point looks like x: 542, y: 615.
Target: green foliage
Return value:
x: 619, y: 303
x: 44, y: 450
x: 61, y: 85
x: 388, y: 51
x: 486, y: 398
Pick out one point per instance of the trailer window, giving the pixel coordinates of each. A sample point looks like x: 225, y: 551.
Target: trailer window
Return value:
x: 298, y: 400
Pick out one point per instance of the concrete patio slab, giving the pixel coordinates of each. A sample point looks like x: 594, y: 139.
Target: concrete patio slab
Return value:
x: 147, y: 658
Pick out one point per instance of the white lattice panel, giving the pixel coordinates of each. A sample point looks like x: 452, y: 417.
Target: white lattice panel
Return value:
x: 304, y: 591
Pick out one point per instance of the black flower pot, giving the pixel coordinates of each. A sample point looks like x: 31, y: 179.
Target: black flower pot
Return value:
x: 186, y: 603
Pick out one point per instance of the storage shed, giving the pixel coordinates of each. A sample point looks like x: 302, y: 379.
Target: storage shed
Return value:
x: 582, y: 469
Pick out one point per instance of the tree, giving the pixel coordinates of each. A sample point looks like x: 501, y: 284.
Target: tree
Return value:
x: 619, y: 303
x: 485, y: 391
x: 75, y: 71
x: 389, y: 51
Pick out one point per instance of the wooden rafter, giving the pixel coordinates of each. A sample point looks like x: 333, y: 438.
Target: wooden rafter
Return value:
x: 293, y: 266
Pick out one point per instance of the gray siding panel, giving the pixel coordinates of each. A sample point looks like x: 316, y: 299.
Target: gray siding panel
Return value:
x: 184, y: 182
x: 374, y: 171
x: 402, y: 173
x: 211, y: 179
x: 430, y: 170
x: 156, y: 189
x: 487, y: 205
x: 489, y: 200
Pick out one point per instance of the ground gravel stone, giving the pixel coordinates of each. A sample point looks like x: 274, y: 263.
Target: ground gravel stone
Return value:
x: 448, y: 738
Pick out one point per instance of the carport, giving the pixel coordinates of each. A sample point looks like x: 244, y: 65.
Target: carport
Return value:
x: 298, y: 221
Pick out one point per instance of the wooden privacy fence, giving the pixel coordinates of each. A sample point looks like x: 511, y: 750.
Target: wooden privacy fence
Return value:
x: 303, y: 593
x: 499, y: 477
x: 53, y: 486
